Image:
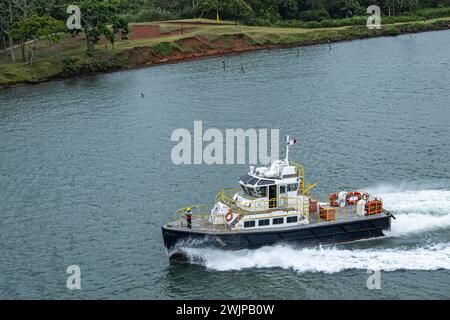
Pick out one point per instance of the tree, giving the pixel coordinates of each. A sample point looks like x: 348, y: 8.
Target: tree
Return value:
x: 6, y: 21
x: 33, y: 28
x: 235, y: 9
x: 120, y: 25
x: 97, y: 15
x: 50, y: 29
x: 287, y: 8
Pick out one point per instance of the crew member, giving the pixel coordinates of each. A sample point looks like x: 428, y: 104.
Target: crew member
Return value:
x: 189, y: 218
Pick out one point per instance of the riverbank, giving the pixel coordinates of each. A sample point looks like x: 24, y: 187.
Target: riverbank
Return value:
x: 173, y: 41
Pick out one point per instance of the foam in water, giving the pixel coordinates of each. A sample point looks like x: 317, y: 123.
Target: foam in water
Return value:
x: 327, y: 260
x: 417, y: 211
x: 423, y: 201
x: 406, y: 224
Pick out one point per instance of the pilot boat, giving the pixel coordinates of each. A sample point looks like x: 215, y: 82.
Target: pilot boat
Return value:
x: 276, y: 205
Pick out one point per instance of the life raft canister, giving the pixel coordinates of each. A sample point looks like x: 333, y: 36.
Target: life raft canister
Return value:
x: 229, y: 216
x: 333, y: 200
x: 374, y: 207
x: 353, y: 198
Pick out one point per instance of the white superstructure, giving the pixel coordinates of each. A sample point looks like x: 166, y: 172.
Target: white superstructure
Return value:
x: 271, y: 196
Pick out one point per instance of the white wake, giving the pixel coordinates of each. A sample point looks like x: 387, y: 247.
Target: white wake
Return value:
x: 327, y: 260
x: 417, y: 211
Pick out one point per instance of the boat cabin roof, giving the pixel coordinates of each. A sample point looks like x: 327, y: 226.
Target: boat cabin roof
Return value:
x: 279, y: 172
x: 254, y: 180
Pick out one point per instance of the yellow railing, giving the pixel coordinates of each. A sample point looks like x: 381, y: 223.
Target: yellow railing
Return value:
x: 290, y: 204
x: 197, y: 211
x: 301, y: 188
x: 268, y: 205
x: 301, y: 174
x: 345, y: 213
x: 339, y: 214
x: 226, y: 196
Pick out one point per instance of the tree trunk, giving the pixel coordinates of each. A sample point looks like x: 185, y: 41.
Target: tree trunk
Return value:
x: 10, y: 39
x: 89, y: 41
x: 11, y: 48
x: 22, y: 46
x: 50, y: 42
x: 25, y: 8
x: 4, y: 50
x: 31, y: 52
x: 31, y: 55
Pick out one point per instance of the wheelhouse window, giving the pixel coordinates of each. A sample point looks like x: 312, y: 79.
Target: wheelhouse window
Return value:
x: 252, y: 192
x: 249, y: 224
x: 292, y: 187
x: 245, y: 178
x: 262, y: 192
x: 292, y: 219
x: 264, y: 222
x: 249, y: 191
x: 278, y: 221
x: 264, y: 182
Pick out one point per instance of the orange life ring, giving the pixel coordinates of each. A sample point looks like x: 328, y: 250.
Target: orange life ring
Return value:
x: 351, y: 195
x: 229, y: 216
x: 333, y: 200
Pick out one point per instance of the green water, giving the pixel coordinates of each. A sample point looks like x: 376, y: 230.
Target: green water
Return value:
x: 86, y: 176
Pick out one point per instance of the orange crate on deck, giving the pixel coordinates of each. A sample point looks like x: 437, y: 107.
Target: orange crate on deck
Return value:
x: 313, y: 207
x: 327, y: 213
x: 374, y: 207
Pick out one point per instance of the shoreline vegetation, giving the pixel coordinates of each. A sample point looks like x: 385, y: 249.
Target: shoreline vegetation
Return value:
x: 156, y: 43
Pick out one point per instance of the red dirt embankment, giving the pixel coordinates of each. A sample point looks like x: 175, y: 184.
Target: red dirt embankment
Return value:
x: 144, y: 32
x: 190, y: 48
x: 197, y: 46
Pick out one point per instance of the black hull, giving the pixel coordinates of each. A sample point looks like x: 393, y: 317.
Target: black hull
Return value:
x: 327, y: 233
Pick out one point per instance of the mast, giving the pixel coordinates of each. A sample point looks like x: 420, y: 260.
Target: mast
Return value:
x: 287, y: 149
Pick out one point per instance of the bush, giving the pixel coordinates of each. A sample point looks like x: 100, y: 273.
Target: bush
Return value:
x: 309, y: 22
x: 393, y: 31
x: 431, y: 13
x: 396, y: 19
x: 97, y: 66
x: 314, y: 15
x: 152, y: 14
x: 69, y: 67
x: 163, y: 48
x: 289, y: 24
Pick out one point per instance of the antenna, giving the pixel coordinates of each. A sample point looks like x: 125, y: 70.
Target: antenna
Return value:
x: 287, y: 149
x: 289, y: 142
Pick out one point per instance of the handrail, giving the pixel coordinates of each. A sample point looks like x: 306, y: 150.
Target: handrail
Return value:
x: 301, y: 174
x: 282, y: 203
x: 226, y: 196
x: 337, y: 213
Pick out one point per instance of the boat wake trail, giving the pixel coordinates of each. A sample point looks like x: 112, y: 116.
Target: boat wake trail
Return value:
x: 423, y: 201
x: 406, y: 224
x: 327, y: 260
x: 417, y: 210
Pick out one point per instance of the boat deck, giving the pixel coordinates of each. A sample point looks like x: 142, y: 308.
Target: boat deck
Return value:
x: 201, y: 224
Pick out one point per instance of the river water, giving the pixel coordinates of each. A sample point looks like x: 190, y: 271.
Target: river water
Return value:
x: 86, y: 176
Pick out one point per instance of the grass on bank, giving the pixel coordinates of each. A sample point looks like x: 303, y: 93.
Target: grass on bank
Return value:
x: 69, y: 56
